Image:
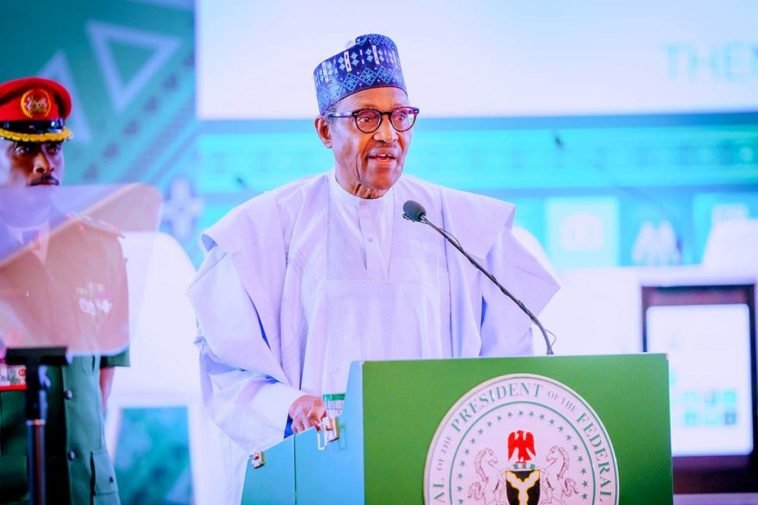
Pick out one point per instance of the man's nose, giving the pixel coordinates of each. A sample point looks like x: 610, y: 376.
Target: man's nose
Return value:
x: 42, y: 164
x: 386, y: 133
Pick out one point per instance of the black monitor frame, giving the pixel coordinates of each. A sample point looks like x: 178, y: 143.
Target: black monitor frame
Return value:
x: 712, y: 474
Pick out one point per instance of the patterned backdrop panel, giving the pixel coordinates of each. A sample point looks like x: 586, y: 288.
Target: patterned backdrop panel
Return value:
x: 129, y: 66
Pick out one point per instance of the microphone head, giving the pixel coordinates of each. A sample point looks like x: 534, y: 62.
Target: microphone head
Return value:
x: 414, y: 211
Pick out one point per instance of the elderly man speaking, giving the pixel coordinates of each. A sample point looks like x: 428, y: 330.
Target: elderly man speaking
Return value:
x: 300, y: 281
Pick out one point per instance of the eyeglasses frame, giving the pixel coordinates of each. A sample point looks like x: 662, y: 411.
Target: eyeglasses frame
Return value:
x: 354, y: 114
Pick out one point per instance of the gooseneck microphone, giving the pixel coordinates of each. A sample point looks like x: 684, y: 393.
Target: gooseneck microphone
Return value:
x: 414, y: 211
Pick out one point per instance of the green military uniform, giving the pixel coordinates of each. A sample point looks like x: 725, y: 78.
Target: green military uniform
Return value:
x: 77, y: 293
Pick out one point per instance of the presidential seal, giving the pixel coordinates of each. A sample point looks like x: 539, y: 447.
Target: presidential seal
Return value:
x: 521, y: 439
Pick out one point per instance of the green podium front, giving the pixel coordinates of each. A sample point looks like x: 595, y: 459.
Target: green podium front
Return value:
x: 516, y: 431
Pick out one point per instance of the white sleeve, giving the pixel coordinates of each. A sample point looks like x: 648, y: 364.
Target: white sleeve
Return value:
x: 249, y: 407
x: 243, y: 386
x: 505, y: 329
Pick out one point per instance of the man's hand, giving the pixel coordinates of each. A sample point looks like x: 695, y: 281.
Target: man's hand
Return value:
x: 305, y: 412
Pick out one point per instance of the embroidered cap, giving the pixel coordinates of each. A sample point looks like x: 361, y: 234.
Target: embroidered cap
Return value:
x: 371, y: 62
x: 34, y: 109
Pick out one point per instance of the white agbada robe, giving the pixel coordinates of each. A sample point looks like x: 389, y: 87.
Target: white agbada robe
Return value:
x: 367, y: 307
x: 303, y: 280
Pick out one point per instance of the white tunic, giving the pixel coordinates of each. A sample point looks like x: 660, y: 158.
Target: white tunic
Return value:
x: 300, y: 281
x: 367, y: 307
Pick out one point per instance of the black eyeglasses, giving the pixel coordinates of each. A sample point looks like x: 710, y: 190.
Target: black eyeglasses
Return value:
x: 369, y: 120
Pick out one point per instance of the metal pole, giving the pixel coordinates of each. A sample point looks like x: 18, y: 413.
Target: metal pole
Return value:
x: 35, y: 451
x: 36, y: 414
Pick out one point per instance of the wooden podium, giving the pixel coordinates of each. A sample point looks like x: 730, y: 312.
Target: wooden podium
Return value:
x: 458, y: 432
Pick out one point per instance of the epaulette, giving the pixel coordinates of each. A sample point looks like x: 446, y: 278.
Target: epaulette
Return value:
x: 94, y: 224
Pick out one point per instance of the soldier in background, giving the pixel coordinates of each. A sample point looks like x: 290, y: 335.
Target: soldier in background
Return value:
x: 59, y: 282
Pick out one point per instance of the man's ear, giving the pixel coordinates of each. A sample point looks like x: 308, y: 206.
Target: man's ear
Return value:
x: 324, y: 130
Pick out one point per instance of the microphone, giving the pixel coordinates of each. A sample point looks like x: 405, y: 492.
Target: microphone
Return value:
x: 414, y: 211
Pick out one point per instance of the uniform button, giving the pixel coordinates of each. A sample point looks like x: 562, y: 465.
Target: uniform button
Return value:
x: 71, y: 455
x: 371, y: 239
x: 68, y: 394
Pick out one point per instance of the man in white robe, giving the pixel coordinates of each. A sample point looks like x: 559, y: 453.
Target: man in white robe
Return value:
x: 302, y: 280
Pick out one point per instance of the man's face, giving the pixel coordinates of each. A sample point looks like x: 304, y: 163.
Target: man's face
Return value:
x: 30, y: 163
x: 367, y: 164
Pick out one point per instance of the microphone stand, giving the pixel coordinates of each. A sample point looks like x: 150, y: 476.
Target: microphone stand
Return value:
x: 36, y: 361
x: 421, y: 218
